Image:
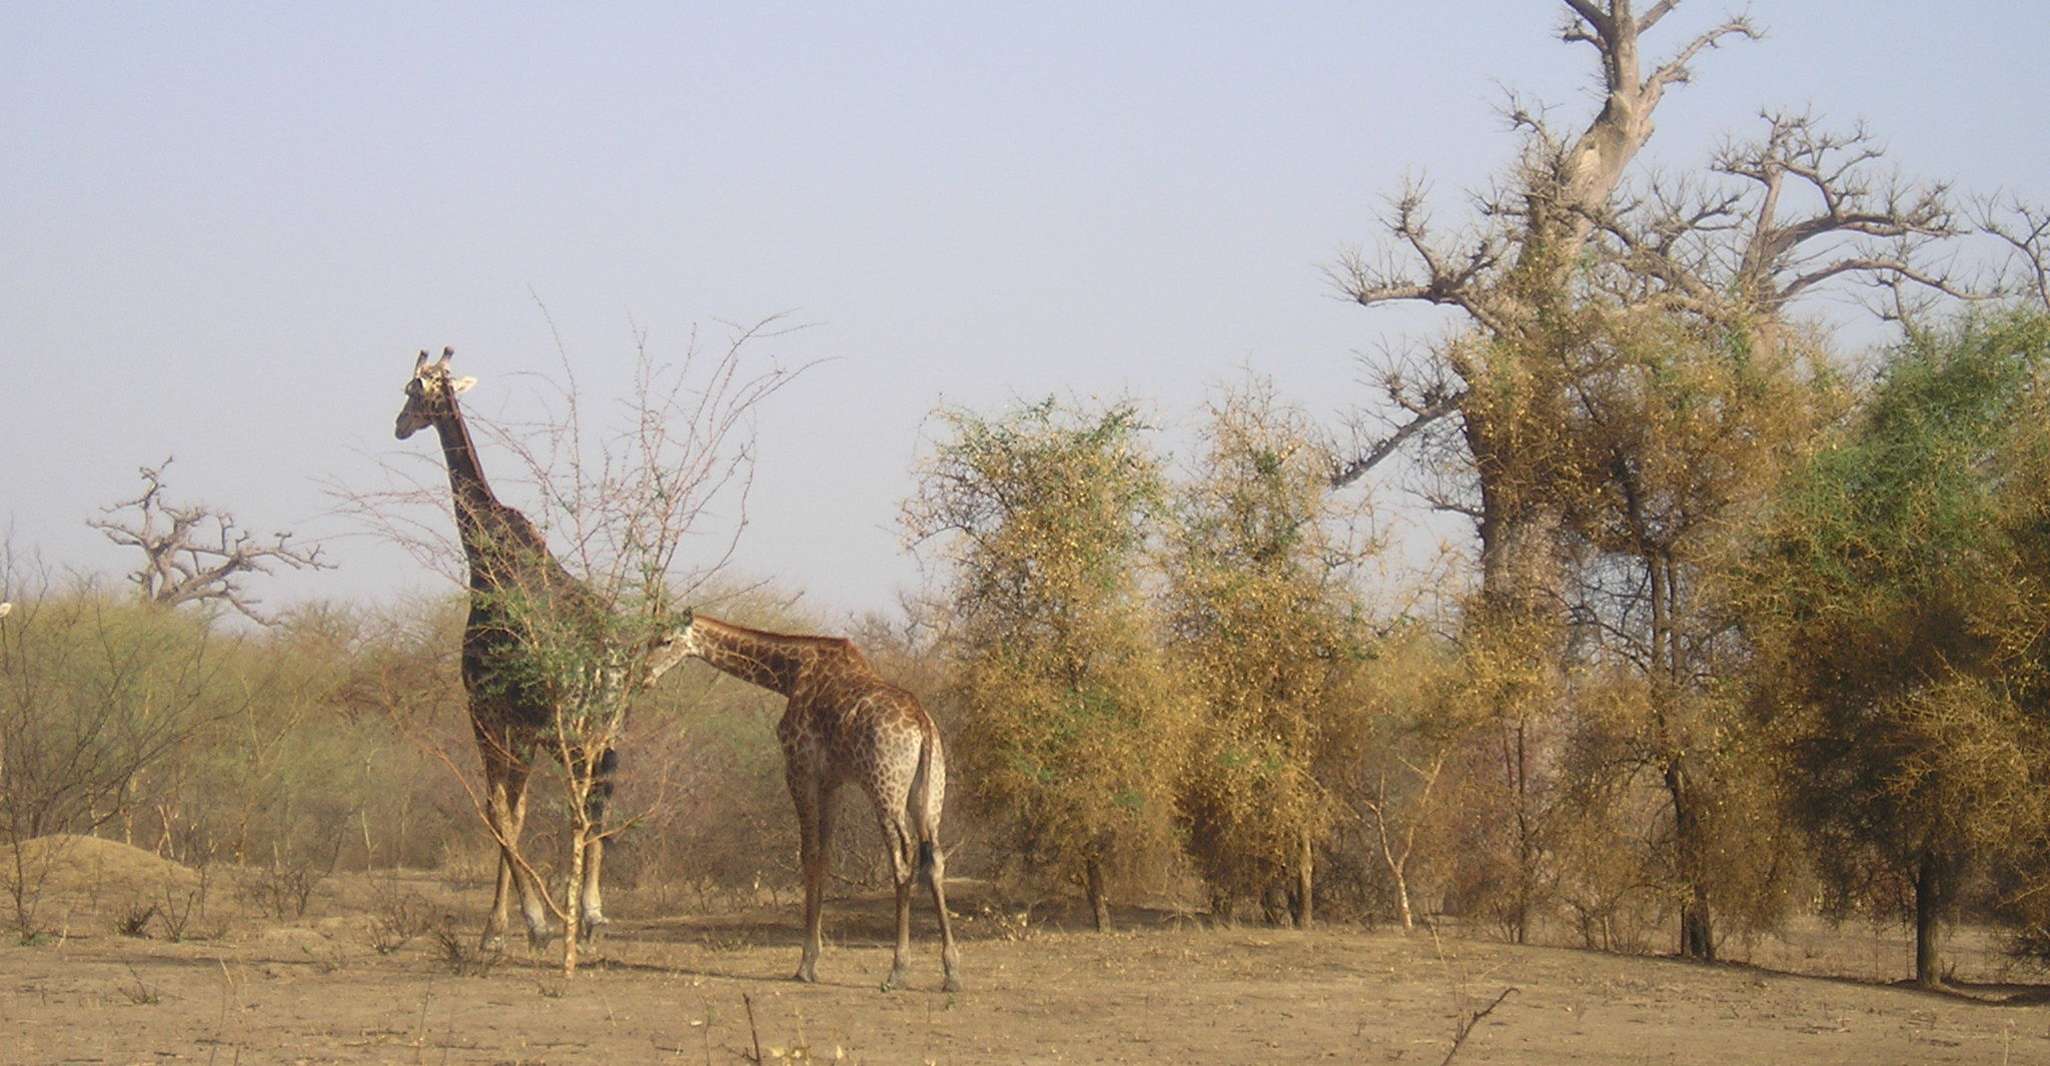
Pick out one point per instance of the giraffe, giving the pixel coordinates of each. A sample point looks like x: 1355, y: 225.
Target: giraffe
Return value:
x: 843, y: 722
x: 504, y: 550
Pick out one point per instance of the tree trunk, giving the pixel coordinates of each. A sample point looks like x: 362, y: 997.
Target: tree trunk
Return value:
x: 1099, y: 904
x: 1402, y: 898
x: 1398, y: 869
x: 1697, y: 930
x: 1518, y: 570
x: 573, y: 909
x: 1223, y: 905
x: 1305, y: 883
x: 1526, y: 845
x: 167, y: 816
x: 1928, y: 908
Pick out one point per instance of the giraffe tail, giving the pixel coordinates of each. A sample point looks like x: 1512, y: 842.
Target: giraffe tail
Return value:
x: 928, y: 789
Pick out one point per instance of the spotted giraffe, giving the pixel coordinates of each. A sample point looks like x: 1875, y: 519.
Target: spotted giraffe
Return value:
x: 504, y: 550
x: 843, y: 723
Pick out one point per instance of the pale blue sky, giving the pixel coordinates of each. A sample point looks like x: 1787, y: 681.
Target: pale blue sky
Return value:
x: 229, y: 226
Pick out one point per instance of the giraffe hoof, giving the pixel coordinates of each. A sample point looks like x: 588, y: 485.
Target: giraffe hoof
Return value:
x: 893, y: 982
x: 592, y: 928
x: 804, y: 975
x: 953, y: 984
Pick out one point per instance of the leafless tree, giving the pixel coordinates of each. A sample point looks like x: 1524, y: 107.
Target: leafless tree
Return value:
x: 1396, y: 822
x: 196, y: 553
x: 634, y: 515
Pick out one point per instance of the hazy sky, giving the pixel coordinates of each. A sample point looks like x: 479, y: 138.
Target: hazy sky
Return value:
x: 227, y: 228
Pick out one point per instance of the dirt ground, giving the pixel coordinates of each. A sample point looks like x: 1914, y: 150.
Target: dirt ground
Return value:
x: 669, y: 987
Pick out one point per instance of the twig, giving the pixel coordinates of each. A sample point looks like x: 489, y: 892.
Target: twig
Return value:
x: 1467, y: 1023
x: 748, y: 1002
x: 420, y: 1039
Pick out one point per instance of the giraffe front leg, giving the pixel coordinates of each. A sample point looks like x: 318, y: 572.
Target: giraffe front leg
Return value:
x: 497, y: 813
x: 539, y: 929
x: 493, y: 938
x: 815, y: 828
x: 821, y: 869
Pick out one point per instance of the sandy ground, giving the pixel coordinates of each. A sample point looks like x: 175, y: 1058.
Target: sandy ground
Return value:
x: 666, y: 988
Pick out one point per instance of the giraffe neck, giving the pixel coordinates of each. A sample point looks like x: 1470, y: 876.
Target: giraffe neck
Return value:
x: 475, y: 503
x: 771, y: 660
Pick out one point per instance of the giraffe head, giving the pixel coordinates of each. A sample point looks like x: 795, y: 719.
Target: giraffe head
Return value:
x: 430, y: 394
x: 677, y: 642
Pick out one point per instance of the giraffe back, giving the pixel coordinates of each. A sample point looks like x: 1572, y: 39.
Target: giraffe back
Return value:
x: 851, y: 724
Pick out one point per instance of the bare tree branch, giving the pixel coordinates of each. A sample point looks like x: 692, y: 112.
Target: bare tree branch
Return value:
x: 1651, y: 18
x: 194, y: 553
x: 1809, y: 206
x: 1353, y: 469
x: 1594, y: 16
x: 2025, y: 229
x: 1675, y: 71
x: 1448, y: 278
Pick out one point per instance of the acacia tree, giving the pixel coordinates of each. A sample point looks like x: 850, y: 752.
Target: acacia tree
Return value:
x: 1897, y: 604
x: 196, y: 553
x: 1678, y: 435
x: 1073, y: 724
x: 1263, y: 617
x: 581, y: 631
x: 1395, y: 767
x: 93, y: 692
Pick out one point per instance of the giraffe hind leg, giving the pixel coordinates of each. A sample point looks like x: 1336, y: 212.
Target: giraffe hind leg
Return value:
x: 928, y: 796
x: 934, y: 866
x: 902, y: 866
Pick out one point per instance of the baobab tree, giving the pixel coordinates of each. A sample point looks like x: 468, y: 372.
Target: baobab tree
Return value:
x: 1568, y: 238
x: 196, y: 553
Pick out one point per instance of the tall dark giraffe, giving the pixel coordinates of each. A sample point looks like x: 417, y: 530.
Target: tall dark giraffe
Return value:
x: 505, y: 552
x: 843, y: 723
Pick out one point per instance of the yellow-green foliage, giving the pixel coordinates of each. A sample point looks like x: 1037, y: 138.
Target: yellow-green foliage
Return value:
x: 1073, y: 725
x: 1266, y: 626
x: 305, y: 768
x: 1898, y: 597
x: 93, y: 689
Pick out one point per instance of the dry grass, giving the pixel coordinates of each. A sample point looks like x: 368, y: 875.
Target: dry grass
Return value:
x: 669, y: 985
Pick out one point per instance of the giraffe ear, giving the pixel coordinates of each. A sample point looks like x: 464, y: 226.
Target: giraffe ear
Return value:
x: 461, y: 385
